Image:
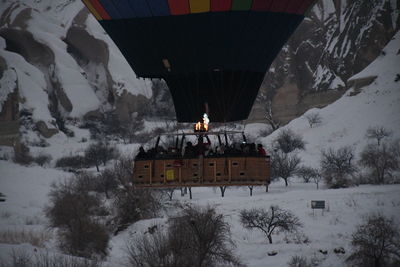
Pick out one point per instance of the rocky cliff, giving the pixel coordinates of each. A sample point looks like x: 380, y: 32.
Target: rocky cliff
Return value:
x: 337, y: 39
x: 67, y: 67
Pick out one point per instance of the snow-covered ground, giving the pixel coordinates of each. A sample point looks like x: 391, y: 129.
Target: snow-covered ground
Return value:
x: 343, y: 123
x: 26, y: 189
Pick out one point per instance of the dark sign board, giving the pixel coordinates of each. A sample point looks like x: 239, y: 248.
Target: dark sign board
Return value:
x: 318, y: 204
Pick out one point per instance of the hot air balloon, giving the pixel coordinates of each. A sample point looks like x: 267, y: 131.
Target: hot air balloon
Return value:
x: 213, y: 54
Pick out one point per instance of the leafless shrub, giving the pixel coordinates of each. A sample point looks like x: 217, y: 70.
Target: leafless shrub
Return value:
x: 378, y: 133
x: 75, y: 210
x: 337, y: 167
x: 296, y: 237
x: 299, y: 261
x: 131, y: 204
x: 150, y: 250
x: 382, y: 160
x: 35, y: 238
x: 106, y: 182
x: 22, y: 258
x: 130, y: 129
x: 376, y: 242
x: 196, y: 237
x: 284, y: 165
x: 201, y: 237
x: 313, y: 119
x: 42, y: 159
x: 269, y: 221
x: 271, y: 118
x: 288, y: 141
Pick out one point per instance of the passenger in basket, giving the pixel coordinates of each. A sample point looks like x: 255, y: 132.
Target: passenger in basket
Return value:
x: 189, y: 150
x: 142, y: 154
x: 261, y: 150
x: 201, y: 147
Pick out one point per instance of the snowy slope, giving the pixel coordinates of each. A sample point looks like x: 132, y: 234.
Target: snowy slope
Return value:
x: 345, y: 121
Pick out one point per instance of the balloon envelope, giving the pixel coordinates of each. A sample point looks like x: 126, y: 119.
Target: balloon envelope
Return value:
x: 211, y: 53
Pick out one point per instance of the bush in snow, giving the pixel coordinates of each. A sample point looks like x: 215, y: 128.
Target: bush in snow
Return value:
x: 288, y: 141
x: 76, y: 211
x: 299, y: 261
x: 284, y: 165
x: 337, y: 167
x: 196, y: 237
x: 313, y: 119
x: 378, y: 133
x: 42, y: 159
x: 269, y: 221
x: 381, y: 159
x: 376, y: 243
x: 72, y: 162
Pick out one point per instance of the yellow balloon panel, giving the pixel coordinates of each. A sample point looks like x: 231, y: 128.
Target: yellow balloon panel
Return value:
x: 199, y: 6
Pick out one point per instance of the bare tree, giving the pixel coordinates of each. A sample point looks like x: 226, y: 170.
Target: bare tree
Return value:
x: 284, y: 165
x: 288, y: 141
x: 100, y: 152
x: 307, y: 173
x: 269, y: 221
x: 337, y: 166
x: 272, y: 121
x: 381, y: 159
x: 378, y: 133
x: 313, y: 119
x: 376, y: 242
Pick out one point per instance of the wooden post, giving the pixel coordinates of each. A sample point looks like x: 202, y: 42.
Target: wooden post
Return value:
x: 180, y: 175
x: 215, y: 171
x: 229, y: 170
x: 222, y: 188
x: 251, y: 190
x: 151, y: 172
x: 165, y: 177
